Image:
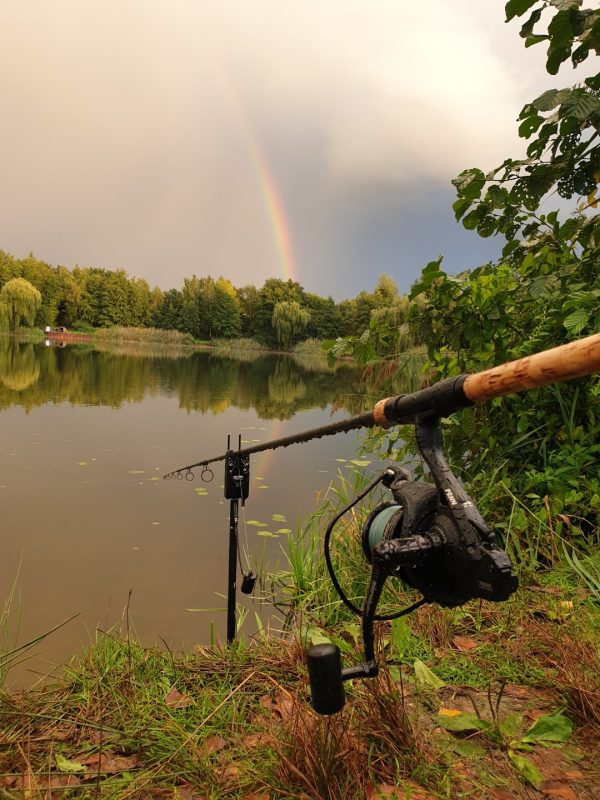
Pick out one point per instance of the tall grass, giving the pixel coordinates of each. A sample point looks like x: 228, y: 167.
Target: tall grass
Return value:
x: 119, y: 334
x: 306, y: 585
x: 237, y: 345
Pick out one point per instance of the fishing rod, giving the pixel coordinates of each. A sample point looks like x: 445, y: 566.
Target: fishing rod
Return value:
x: 430, y: 535
x: 563, y: 363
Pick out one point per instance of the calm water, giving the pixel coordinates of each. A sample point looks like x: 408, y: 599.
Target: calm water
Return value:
x: 86, y: 436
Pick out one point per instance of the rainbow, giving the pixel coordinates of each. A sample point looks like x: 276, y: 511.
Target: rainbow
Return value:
x: 277, y: 218
x: 278, y: 223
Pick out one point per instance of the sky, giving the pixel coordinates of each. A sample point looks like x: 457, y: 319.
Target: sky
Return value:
x: 255, y: 138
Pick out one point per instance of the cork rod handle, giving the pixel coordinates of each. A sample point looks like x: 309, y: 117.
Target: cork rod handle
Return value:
x: 572, y: 360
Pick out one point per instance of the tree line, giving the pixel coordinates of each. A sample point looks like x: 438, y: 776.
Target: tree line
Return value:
x: 278, y: 314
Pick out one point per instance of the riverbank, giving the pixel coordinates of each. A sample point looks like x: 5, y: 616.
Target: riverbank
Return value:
x: 496, y: 701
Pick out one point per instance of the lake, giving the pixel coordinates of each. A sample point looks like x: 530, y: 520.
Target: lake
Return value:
x: 86, y: 437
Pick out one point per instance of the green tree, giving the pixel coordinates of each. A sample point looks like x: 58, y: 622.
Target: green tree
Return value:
x: 289, y: 320
x: 226, y: 321
x: 544, y: 291
x: 19, y: 302
x: 272, y: 292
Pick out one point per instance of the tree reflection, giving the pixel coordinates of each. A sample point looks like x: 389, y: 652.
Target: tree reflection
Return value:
x: 277, y: 387
x: 19, y: 367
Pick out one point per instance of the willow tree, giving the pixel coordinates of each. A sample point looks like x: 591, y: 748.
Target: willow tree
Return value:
x: 19, y: 302
x: 288, y: 320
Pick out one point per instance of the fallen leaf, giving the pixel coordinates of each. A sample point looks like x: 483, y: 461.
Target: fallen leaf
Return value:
x: 59, y: 783
x: 212, y: 745
x: 463, y: 643
x: 175, y: 699
x: 426, y: 676
x: 229, y: 774
x: 282, y: 705
x: 254, y: 740
x: 449, y: 712
x: 559, y: 789
x: 185, y: 792
x: 110, y: 763
x: 512, y: 690
x: 64, y: 765
x: 408, y: 789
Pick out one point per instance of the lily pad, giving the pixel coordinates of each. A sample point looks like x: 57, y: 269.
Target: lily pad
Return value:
x: 257, y: 523
x: 278, y: 518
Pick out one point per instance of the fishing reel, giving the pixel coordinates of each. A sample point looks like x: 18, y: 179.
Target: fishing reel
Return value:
x: 431, y: 537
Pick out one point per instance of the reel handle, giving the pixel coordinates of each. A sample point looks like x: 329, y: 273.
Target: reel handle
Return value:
x: 325, y: 675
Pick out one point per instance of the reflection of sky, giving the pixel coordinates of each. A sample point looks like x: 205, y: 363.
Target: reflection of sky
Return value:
x: 157, y: 158
x: 84, y: 511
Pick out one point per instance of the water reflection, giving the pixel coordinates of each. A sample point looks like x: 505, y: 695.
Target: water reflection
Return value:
x: 277, y: 387
x: 19, y: 366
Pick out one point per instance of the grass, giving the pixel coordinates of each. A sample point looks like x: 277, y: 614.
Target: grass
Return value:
x: 237, y: 345
x: 131, y: 722
x: 154, y: 336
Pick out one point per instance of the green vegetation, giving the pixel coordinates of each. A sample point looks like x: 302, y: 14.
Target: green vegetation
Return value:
x: 113, y: 372
x: 153, y: 336
x: 278, y: 315
x: 532, y: 461
x: 19, y: 302
x: 487, y: 698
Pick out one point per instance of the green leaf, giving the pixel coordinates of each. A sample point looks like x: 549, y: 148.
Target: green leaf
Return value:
x: 550, y: 728
x: 278, y: 518
x: 527, y: 29
x: 511, y: 725
x: 562, y: 5
x: 257, y: 524
x: 580, y: 104
x: 64, y: 765
x: 312, y: 635
x: 576, y: 321
x: 467, y: 749
x: 550, y: 99
x: 426, y: 676
x: 359, y: 463
x: 527, y: 768
x: 284, y: 530
x: 516, y: 8
x: 469, y: 184
x: 462, y: 723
